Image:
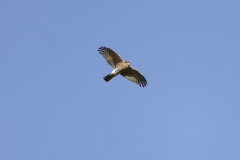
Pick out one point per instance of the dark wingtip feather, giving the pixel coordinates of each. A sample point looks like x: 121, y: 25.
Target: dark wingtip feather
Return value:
x: 143, y: 82
x: 101, y: 48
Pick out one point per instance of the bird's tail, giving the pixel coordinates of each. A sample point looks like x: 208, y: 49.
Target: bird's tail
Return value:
x: 108, y: 77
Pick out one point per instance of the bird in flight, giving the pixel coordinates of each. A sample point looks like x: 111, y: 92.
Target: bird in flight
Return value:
x: 121, y: 67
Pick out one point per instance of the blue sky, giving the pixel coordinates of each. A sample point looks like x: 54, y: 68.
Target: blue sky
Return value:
x: 55, y: 104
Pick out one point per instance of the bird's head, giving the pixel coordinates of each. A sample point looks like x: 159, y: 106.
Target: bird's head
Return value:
x: 127, y: 62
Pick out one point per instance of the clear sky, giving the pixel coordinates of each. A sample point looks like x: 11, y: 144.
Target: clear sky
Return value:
x: 54, y: 103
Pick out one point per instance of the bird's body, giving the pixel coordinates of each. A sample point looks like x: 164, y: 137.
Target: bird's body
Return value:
x: 121, y: 67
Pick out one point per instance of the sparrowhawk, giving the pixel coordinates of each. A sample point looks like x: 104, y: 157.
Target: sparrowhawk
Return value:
x: 121, y: 67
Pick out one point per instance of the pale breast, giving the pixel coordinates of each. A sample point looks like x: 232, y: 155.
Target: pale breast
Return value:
x: 120, y: 67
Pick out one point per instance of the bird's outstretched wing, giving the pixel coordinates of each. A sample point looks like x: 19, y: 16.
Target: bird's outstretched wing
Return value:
x: 111, y: 57
x: 133, y: 75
